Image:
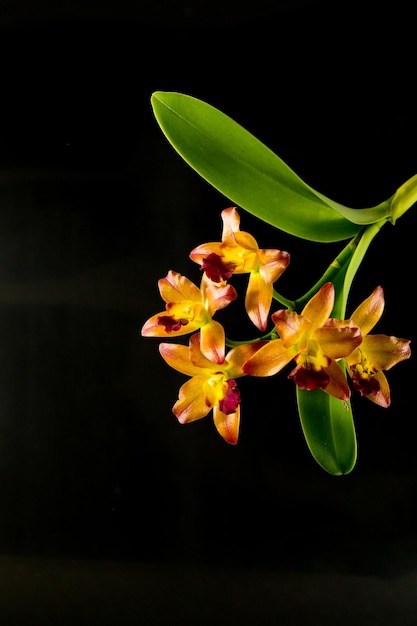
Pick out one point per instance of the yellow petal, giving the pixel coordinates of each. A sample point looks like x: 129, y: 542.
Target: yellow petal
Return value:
x: 290, y: 326
x: 236, y: 358
x: 269, y: 359
x: 383, y: 396
x: 246, y: 241
x: 227, y: 425
x: 338, y: 339
x: 272, y: 264
x: 204, y: 250
x: 175, y: 287
x: 191, y: 404
x: 177, y: 356
x: 338, y: 385
x: 369, y: 312
x: 319, y: 308
x: 217, y: 296
x: 258, y: 300
x: 231, y: 222
x: 383, y: 352
x: 212, y: 341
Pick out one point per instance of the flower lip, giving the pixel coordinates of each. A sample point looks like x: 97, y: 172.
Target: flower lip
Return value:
x: 217, y: 269
x: 231, y: 399
x: 170, y: 323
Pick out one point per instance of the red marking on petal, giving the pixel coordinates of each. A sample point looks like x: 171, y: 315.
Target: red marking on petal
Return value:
x: 309, y: 378
x: 231, y: 399
x: 170, y: 323
x: 366, y: 385
x: 216, y: 269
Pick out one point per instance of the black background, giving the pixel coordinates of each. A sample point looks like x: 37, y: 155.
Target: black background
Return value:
x: 110, y: 511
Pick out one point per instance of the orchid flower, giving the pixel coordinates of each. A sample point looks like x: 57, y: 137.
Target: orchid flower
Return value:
x: 189, y: 308
x: 375, y: 353
x: 239, y: 253
x: 212, y: 386
x: 315, y: 341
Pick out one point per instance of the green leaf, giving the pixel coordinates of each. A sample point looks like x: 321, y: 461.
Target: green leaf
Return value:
x: 404, y: 198
x: 329, y: 430
x: 252, y: 176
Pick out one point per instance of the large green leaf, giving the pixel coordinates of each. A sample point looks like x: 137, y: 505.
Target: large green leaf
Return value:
x: 252, y: 176
x: 329, y: 430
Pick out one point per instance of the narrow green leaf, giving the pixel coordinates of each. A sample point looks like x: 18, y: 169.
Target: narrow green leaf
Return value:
x: 329, y: 430
x: 252, y: 176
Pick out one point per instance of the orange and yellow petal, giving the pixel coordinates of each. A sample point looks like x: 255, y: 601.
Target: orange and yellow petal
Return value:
x: 164, y: 325
x: 272, y: 264
x: 338, y: 338
x: 204, y: 250
x: 175, y: 287
x: 258, y: 300
x: 227, y: 425
x: 319, y: 307
x: 338, y: 385
x: 212, y: 341
x: 383, y: 396
x: 216, y: 296
x: 290, y: 326
x: 192, y: 403
x: 369, y: 312
x: 236, y: 357
x: 270, y: 359
x: 231, y: 222
x: 178, y: 357
x: 383, y: 352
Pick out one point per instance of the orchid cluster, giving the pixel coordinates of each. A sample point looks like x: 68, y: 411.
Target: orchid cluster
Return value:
x: 327, y: 352
x: 332, y: 352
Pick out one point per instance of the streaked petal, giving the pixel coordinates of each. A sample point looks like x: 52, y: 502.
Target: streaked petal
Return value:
x: 231, y: 222
x: 227, y: 425
x: 218, y: 296
x: 178, y: 357
x: 338, y: 385
x: 338, y: 338
x: 319, y: 307
x: 269, y: 359
x: 383, y: 396
x: 192, y: 403
x: 273, y: 263
x: 212, y: 341
x: 383, y: 352
x: 236, y: 357
x: 290, y: 326
x: 258, y: 300
x: 369, y: 312
x: 246, y: 241
x: 175, y: 287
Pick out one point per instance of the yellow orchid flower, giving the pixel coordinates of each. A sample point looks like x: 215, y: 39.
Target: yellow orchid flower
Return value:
x: 315, y: 341
x: 239, y: 253
x: 376, y: 352
x: 189, y: 308
x: 212, y: 386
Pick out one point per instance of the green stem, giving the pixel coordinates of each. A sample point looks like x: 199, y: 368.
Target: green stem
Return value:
x: 270, y: 335
x: 290, y: 304
x: 338, y: 264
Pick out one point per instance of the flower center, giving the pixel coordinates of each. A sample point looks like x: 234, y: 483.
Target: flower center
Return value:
x: 310, y: 373
x: 222, y: 393
x: 363, y: 377
x: 179, y: 314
